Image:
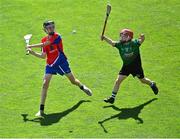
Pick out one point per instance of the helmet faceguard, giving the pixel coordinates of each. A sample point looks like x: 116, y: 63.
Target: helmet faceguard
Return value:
x: 49, y: 25
x: 128, y: 33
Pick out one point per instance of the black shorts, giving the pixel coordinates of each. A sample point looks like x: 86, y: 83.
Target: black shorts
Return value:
x: 134, y: 69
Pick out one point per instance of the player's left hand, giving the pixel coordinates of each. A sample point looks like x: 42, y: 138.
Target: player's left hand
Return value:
x: 142, y: 37
x: 29, y: 50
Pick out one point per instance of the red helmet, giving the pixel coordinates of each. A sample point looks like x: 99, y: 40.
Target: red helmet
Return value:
x: 127, y: 31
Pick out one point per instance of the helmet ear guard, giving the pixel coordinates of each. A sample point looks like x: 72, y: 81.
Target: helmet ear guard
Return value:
x: 45, y: 30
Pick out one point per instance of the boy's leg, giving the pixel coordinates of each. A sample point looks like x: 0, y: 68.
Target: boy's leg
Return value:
x: 146, y: 81
x: 151, y: 84
x: 118, y: 81
x: 140, y: 74
x: 46, y: 81
x: 76, y: 82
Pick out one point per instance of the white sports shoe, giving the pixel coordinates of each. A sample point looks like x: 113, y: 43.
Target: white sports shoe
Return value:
x: 87, y: 91
x: 40, y: 114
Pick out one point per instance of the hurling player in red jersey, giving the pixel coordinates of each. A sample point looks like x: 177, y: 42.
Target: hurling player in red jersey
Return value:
x: 52, y: 50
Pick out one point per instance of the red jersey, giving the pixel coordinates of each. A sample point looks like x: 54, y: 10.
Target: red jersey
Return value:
x: 54, y: 49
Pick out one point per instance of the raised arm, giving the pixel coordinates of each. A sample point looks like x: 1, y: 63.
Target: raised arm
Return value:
x: 141, y: 38
x: 108, y: 40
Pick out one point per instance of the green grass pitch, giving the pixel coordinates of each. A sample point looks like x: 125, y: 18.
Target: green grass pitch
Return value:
x: 70, y: 113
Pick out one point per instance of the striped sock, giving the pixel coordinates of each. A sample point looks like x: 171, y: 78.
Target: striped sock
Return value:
x: 82, y: 87
x: 114, y: 94
x: 152, y: 84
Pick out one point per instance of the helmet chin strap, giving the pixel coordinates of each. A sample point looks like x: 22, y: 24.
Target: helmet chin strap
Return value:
x: 51, y: 33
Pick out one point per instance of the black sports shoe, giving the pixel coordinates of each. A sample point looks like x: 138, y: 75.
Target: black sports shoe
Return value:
x: 109, y: 100
x: 154, y: 88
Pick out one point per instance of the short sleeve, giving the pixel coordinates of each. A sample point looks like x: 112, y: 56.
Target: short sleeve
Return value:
x: 117, y: 44
x: 136, y: 43
x: 43, y: 48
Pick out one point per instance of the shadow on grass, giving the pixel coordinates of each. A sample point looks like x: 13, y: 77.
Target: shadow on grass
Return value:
x: 126, y: 113
x: 52, y: 118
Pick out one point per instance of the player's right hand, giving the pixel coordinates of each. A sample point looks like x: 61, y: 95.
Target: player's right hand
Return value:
x: 28, y: 46
x: 102, y: 38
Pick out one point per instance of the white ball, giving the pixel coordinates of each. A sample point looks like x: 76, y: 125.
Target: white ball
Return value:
x: 74, y: 31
